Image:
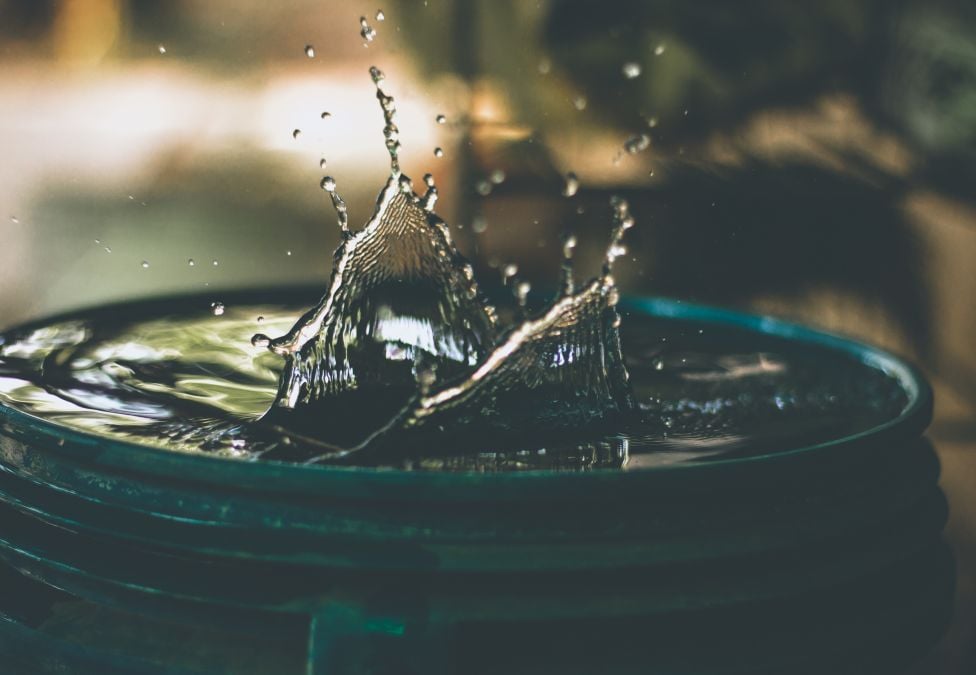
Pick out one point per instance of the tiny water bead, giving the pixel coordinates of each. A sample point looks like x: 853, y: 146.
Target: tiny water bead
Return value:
x: 145, y: 264
x: 191, y: 262
x: 570, y: 184
x: 497, y: 177
x: 580, y: 102
x: 328, y: 183
x: 15, y: 220
x: 631, y: 70
x: 441, y: 119
x: 438, y: 152
x: 637, y: 144
x: 296, y: 133
x: 367, y: 32
x: 161, y: 49
x: 217, y: 308
x: 322, y: 163
x: 325, y: 114
x: 310, y: 51
x: 380, y: 16
x: 660, y: 49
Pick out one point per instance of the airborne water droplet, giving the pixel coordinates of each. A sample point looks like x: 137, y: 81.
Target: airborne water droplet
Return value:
x: 438, y: 152
x: 571, y: 185
x: 217, y: 308
x: 216, y: 262
x: 145, y: 264
x: 483, y: 188
x: 637, y: 144
x: 441, y: 119
x: 325, y: 114
x: 162, y: 49
x: 260, y: 340
x: 296, y: 133
x: 380, y: 16
x: 328, y: 184
x: 322, y: 163
x: 367, y: 32
x: 14, y: 219
x: 631, y: 70
x: 659, y: 49
x: 310, y: 51
x: 580, y: 102
x: 191, y: 262
x: 376, y: 74
x: 497, y: 177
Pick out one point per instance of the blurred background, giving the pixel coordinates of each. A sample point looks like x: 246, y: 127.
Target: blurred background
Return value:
x: 811, y: 162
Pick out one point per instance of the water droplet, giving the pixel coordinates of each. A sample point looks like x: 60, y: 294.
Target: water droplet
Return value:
x: 288, y: 253
x: 260, y: 340
x: 509, y: 271
x: 659, y: 49
x: 367, y: 32
x: 162, y: 49
x: 376, y: 74
x: 637, y: 144
x: 310, y: 51
x: 651, y: 173
x: 328, y: 184
x: 325, y: 114
x: 260, y: 319
x: 191, y: 262
x: 438, y: 152
x: 14, y: 219
x: 145, y: 264
x: 580, y: 102
x: 545, y: 65
x: 652, y: 122
x: 631, y: 70
x: 296, y: 133
x: 216, y: 262
x: 217, y: 308
x: 479, y: 225
x: 571, y: 185
x: 441, y: 119
x: 322, y: 163
x: 497, y: 177
x: 380, y: 16
x: 483, y: 188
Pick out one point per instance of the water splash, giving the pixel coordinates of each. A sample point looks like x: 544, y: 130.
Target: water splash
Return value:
x: 403, y: 340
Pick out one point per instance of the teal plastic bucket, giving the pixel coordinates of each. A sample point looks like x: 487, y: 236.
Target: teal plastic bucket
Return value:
x: 123, y: 558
